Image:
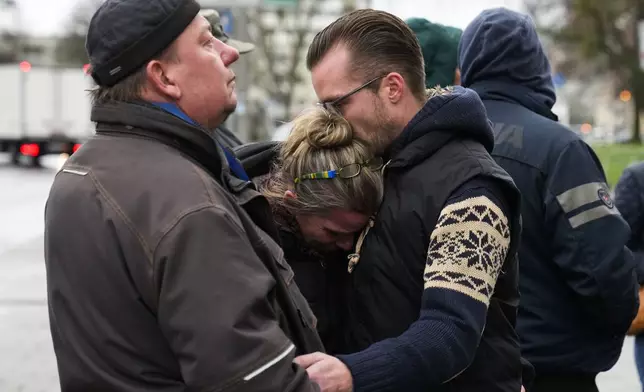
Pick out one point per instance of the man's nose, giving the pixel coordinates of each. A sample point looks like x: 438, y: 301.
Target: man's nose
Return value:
x: 229, y: 55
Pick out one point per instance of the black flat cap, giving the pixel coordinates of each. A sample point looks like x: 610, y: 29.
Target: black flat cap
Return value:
x: 123, y: 35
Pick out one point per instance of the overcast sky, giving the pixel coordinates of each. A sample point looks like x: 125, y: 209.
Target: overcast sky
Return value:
x: 43, y: 17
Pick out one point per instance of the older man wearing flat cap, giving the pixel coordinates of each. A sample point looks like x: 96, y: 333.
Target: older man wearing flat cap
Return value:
x: 164, y: 271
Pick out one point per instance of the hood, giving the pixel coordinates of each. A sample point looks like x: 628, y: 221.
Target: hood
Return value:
x: 449, y: 113
x: 439, y: 45
x: 501, y: 57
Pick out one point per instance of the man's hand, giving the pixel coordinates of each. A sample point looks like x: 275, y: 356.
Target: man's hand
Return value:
x: 328, y: 372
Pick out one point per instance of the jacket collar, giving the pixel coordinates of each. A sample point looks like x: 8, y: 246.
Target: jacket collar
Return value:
x: 145, y: 120
x: 235, y: 166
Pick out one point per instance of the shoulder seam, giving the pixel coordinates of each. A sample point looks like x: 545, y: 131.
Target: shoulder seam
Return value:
x: 114, y: 205
x: 191, y: 211
x: 200, y: 174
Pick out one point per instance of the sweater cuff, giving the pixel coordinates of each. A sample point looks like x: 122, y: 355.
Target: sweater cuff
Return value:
x: 372, y: 370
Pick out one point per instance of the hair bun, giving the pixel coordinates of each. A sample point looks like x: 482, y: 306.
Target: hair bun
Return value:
x: 317, y: 129
x: 326, y: 129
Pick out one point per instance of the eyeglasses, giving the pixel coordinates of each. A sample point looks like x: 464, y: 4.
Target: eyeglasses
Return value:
x: 333, y: 105
x: 345, y: 172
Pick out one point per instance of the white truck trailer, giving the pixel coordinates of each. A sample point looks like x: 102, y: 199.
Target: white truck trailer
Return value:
x: 43, y: 110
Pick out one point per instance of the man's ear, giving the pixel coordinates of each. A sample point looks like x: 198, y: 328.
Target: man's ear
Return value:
x: 161, y: 80
x: 394, y: 86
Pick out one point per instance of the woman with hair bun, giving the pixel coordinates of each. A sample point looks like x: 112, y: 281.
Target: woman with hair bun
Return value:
x: 329, y: 181
x: 324, y: 188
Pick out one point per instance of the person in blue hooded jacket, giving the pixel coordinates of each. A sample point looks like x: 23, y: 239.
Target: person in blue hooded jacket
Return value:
x: 579, y: 289
x: 629, y: 199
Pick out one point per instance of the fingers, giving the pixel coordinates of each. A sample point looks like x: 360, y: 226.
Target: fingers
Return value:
x: 307, y: 360
x: 317, y: 374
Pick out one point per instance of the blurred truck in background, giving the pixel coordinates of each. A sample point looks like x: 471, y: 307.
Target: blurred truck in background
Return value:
x: 43, y: 110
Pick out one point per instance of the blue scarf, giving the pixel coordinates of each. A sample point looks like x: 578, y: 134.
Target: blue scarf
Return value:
x: 235, y: 166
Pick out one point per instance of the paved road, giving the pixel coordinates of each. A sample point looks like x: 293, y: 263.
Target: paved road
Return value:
x: 27, y: 361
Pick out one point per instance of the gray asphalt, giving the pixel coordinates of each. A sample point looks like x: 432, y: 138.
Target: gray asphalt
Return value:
x: 27, y: 360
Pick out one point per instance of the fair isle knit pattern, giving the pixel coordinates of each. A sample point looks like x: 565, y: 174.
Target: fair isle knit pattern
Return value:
x: 468, y: 248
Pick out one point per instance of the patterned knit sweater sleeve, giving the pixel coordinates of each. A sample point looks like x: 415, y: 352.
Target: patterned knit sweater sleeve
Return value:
x: 466, y: 253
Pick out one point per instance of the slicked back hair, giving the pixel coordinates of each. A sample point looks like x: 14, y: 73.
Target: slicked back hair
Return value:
x: 378, y: 43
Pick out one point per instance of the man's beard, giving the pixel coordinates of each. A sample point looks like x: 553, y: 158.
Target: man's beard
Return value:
x: 384, y: 130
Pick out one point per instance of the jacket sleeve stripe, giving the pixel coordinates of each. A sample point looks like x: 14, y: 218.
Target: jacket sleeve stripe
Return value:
x: 580, y: 196
x: 74, y: 171
x: 270, y: 363
x: 590, y: 215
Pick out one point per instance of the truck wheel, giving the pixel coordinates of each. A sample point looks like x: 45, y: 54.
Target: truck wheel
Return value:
x: 15, y: 157
x: 35, y: 162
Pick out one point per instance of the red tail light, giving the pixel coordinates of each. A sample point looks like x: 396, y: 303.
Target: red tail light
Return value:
x: 25, y: 66
x: 30, y: 149
x: 75, y: 148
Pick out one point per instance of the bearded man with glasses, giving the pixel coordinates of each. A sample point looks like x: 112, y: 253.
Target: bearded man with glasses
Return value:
x: 433, y: 278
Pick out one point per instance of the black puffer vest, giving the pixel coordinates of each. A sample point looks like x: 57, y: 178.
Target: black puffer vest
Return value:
x: 443, y: 147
